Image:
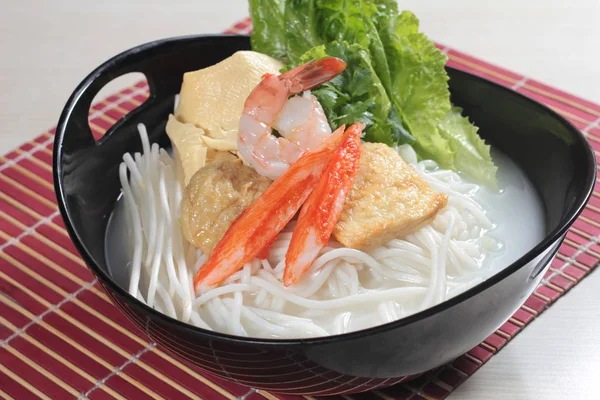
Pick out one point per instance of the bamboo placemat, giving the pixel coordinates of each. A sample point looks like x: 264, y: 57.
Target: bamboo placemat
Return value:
x: 61, y: 337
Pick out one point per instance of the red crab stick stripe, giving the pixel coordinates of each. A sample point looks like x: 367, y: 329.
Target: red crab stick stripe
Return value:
x: 260, y: 223
x: 323, y: 207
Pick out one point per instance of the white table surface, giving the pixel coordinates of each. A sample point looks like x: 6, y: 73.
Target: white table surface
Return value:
x: 47, y: 47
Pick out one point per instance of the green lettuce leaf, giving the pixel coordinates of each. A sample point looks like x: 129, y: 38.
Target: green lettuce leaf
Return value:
x: 419, y: 78
x: 395, y: 81
x: 352, y: 21
x: 269, y: 33
x: 470, y: 153
x: 420, y: 90
x: 302, y: 30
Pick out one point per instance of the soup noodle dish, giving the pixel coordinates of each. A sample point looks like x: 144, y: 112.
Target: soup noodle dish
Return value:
x: 320, y: 184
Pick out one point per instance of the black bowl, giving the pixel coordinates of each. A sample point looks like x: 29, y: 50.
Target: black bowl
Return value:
x: 553, y: 154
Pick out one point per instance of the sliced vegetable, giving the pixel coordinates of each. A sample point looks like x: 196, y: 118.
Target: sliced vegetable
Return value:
x: 189, y: 150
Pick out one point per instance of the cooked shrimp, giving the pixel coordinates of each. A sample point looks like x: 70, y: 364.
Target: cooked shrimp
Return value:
x: 301, y: 120
x: 256, y: 228
x: 322, y: 209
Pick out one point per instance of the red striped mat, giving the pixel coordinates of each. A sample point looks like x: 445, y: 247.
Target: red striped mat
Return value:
x: 61, y: 338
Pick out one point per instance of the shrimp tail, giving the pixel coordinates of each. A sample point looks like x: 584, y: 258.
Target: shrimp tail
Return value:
x: 312, y: 74
x: 321, y: 211
x: 258, y: 226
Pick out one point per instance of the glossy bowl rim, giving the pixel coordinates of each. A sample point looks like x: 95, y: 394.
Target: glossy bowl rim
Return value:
x: 566, y: 221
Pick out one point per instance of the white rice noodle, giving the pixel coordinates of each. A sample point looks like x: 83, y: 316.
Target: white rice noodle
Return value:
x: 152, y: 195
x: 345, y: 289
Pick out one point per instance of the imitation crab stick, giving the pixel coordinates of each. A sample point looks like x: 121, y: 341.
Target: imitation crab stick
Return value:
x: 257, y: 227
x: 323, y: 207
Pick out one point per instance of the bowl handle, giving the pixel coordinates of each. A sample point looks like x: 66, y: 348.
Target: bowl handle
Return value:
x: 163, y: 62
x: 73, y: 126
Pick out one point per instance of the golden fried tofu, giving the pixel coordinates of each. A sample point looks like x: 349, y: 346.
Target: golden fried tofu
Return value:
x: 216, y: 195
x: 388, y: 200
